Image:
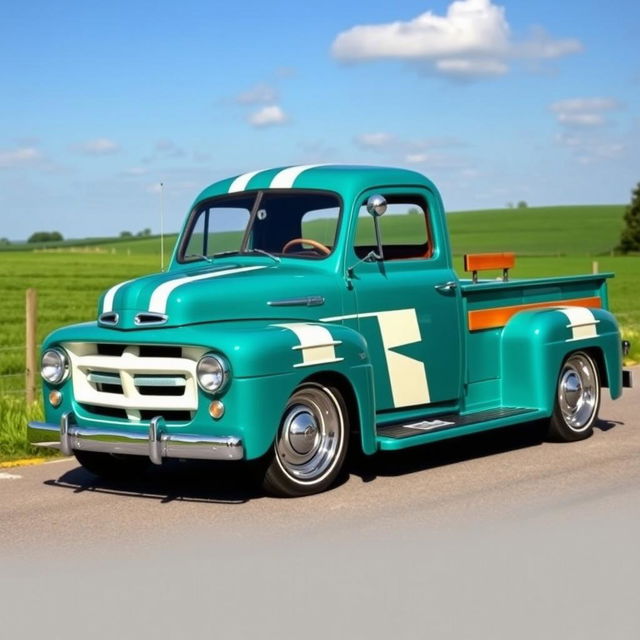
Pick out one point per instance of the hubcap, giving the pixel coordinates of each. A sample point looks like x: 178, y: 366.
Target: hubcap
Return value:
x: 301, y: 430
x: 578, y: 392
x: 311, y: 434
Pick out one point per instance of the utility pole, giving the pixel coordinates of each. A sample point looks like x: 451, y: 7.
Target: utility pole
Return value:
x: 162, y: 226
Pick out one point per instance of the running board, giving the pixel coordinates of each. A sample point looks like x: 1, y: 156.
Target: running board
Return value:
x: 401, y: 436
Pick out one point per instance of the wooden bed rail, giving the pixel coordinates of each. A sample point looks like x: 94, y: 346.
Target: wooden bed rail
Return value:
x: 475, y: 262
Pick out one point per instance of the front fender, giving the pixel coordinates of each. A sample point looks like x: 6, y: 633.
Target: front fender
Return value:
x: 535, y: 343
x: 286, y: 354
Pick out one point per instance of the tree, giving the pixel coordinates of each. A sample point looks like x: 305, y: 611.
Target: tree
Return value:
x: 144, y: 233
x: 522, y: 204
x: 45, y: 236
x: 5, y: 241
x: 630, y: 237
x: 126, y: 234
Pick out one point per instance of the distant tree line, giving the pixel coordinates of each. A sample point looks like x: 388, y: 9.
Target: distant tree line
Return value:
x: 45, y: 236
x: 145, y: 233
x: 630, y: 237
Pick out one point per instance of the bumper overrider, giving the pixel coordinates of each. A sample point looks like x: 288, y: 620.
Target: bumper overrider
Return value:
x: 156, y: 443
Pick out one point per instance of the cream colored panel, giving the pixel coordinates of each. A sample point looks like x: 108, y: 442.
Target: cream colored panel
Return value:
x: 407, y: 376
x: 316, y: 343
x: 582, y: 322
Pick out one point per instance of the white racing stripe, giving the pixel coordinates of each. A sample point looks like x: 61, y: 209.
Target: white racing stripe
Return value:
x: 582, y: 322
x: 110, y: 295
x: 159, y: 298
x: 284, y: 179
x: 241, y: 182
x: 316, y: 343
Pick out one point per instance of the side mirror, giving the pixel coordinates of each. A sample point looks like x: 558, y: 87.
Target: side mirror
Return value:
x: 376, y: 205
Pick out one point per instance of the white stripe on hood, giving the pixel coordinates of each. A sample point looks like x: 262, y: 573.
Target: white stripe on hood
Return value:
x: 159, y: 298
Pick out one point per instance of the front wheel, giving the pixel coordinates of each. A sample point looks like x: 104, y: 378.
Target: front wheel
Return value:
x: 312, y: 442
x: 577, y: 399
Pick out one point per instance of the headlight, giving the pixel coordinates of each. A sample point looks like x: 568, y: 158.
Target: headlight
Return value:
x: 212, y: 373
x: 55, y: 366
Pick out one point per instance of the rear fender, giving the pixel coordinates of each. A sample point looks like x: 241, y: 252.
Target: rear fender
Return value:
x: 536, y: 342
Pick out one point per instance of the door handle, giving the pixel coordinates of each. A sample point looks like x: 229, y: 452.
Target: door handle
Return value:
x: 446, y: 286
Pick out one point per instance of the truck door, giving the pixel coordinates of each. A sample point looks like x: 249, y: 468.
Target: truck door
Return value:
x: 407, y: 305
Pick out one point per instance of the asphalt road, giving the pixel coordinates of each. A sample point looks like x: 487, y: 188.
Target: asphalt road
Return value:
x: 498, y: 535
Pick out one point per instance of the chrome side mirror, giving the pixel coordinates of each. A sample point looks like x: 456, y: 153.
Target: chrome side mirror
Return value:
x: 376, y: 205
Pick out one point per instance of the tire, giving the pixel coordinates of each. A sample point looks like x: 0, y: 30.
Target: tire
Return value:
x: 577, y: 399
x: 311, y: 445
x: 112, y: 467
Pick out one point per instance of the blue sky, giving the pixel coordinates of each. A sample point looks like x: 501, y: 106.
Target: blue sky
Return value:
x: 496, y: 102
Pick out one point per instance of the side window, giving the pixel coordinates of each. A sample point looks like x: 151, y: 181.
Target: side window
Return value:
x: 404, y: 229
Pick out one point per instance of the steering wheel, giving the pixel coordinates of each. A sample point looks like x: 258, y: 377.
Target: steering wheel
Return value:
x: 314, y: 243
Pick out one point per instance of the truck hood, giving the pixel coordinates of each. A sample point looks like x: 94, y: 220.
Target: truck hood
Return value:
x: 219, y: 292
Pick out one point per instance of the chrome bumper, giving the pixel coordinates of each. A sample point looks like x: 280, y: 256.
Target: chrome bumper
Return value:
x: 155, y: 443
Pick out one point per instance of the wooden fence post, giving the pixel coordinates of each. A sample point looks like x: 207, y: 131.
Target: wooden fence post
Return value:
x: 594, y: 267
x: 31, y: 325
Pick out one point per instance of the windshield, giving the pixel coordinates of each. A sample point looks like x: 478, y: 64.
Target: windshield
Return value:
x: 298, y: 224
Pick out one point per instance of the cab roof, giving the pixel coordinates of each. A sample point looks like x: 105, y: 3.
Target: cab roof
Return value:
x: 344, y: 179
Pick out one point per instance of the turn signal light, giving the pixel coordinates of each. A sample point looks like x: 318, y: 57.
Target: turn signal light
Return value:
x: 216, y: 409
x: 55, y: 398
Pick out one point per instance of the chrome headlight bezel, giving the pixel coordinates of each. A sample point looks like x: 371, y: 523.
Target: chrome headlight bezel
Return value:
x: 212, y: 373
x: 56, y: 361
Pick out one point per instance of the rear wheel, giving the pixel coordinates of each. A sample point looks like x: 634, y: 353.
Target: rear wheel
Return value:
x: 577, y: 399
x: 112, y: 466
x: 312, y: 442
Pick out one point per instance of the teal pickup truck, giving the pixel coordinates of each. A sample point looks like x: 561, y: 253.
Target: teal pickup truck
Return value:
x: 310, y: 309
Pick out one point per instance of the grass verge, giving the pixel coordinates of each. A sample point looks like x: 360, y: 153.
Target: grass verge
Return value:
x: 14, y: 415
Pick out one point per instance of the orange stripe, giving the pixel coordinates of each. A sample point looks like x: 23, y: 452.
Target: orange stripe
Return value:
x: 499, y: 316
x: 484, y: 261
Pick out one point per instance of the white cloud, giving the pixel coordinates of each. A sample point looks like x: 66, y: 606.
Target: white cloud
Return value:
x: 375, y: 140
x: 473, y: 39
x: 583, y: 112
x: 97, y: 147
x: 424, y: 153
x: 21, y: 156
x: 583, y: 131
x: 416, y: 158
x: 169, y: 148
x: 259, y: 94
x: 135, y: 171
x: 268, y: 116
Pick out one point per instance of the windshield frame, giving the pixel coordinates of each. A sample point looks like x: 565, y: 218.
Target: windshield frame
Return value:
x: 259, y: 195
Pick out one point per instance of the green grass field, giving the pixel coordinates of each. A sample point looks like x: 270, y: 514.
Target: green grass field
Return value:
x: 549, y: 241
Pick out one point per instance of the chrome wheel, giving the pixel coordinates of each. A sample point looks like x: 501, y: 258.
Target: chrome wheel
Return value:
x: 311, y: 444
x: 577, y: 399
x: 312, y: 434
x: 578, y: 392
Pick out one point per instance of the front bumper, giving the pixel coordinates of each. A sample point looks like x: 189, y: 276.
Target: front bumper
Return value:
x: 156, y: 443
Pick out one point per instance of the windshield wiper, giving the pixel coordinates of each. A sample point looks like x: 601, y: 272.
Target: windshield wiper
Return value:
x: 245, y: 252
x: 264, y: 253
x: 225, y: 253
x: 199, y: 255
